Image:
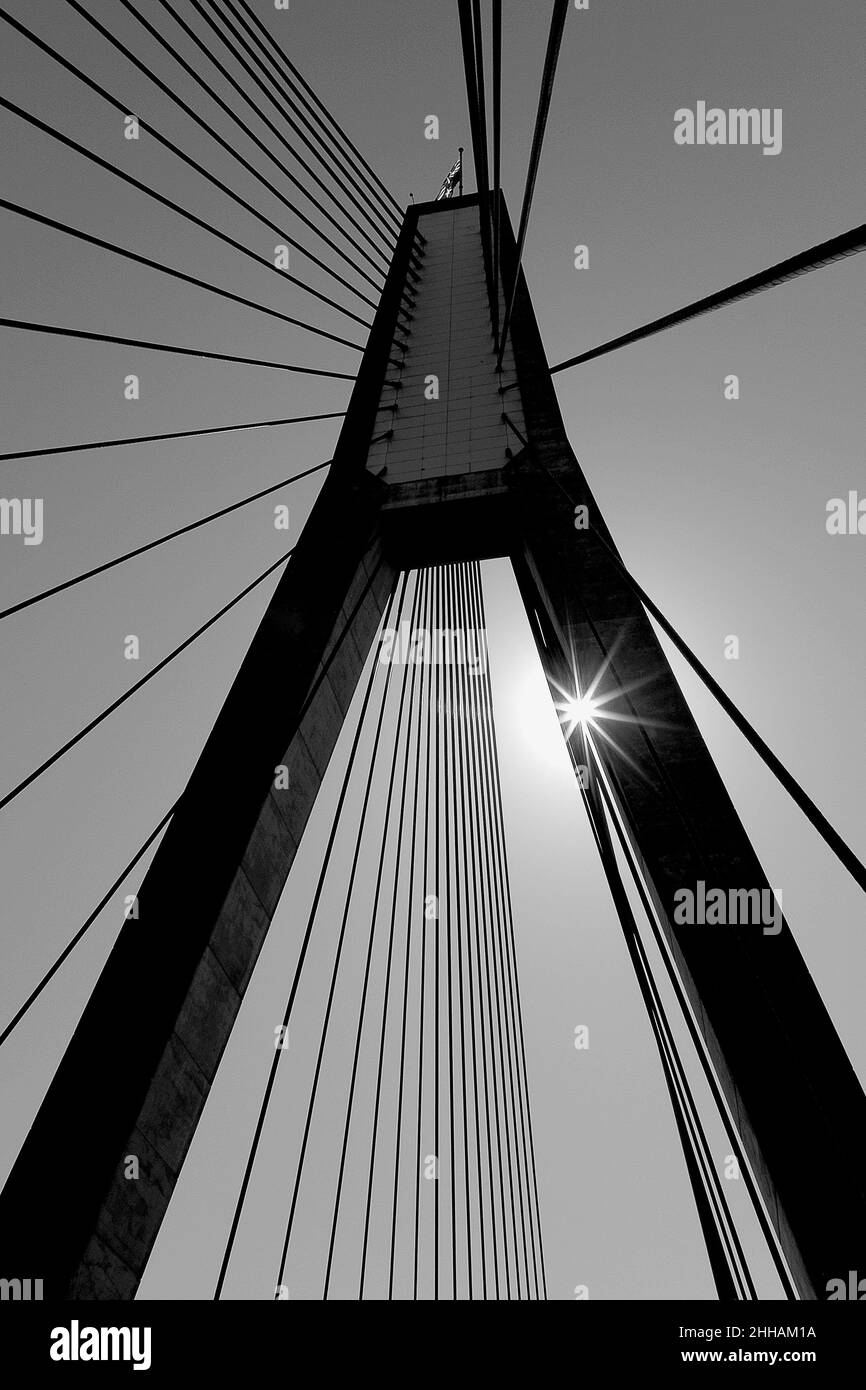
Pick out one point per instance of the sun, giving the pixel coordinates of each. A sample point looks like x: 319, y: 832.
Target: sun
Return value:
x: 577, y: 711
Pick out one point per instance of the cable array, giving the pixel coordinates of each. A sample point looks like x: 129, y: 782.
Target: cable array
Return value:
x: 437, y: 1118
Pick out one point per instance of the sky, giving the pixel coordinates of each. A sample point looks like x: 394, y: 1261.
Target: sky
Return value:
x: 718, y: 508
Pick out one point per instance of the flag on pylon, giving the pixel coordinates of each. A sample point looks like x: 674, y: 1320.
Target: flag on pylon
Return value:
x: 453, y: 181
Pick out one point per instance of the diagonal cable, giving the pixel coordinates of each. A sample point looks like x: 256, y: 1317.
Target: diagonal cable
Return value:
x: 171, y: 271
x: 347, y: 903
x: 825, y: 253
x: 211, y: 178
x: 148, y: 676
x: 326, y: 664
x: 224, y: 144
x: 554, y: 41
x: 160, y: 198
x: 29, y: 326
x: 161, y: 540
x: 239, y: 121
x: 223, y: 26
x: 299, y: 967
x: 160, y: 438
x: 817, y: 819
x: 253, y: 18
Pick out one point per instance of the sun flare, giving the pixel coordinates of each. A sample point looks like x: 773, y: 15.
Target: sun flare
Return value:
x: 577, y: 712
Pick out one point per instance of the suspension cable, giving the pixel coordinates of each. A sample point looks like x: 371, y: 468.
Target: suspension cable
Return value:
x: 554, y: 41
x: 176, y: 207
x: 254, y: 19
x: 480, y: 883
x: 455, y: 622
x: 161, y: 540
x: 715, y: 1238
x: 467, y: 796
x: 437, y: 871
x: 698, y: 1133
x: 287, y: 92
x: 70, y: 947
x: 28, y: 326
x: 825, y: 253
x: 427, y: 684
x: 694, y: 1125
x: 511, y: 955
x: 423, y: 582
x: 493, y: 954
x: 171, y: 271
x: 282, y: 95
x: 131, y: 865
x: 188, y: 160
x: 148, y: 676
x: 160, y: 438
x: 393, y: 914
x: 230, y: 149
x: 445, y: 729
x: 299, y: 966
x: 694, y: 1032
x: 843, y: 852
x: 497, y: 154
x: 498, y: 850
x: 229, y: 26
x: 362, y: 821
x: 500, y: 853
x: 221, y: 68
x: 481, y: 100
x: 362, y: 1009
x: 473, y: 68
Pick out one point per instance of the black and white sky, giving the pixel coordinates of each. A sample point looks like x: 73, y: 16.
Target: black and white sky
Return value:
x: 718, y: 507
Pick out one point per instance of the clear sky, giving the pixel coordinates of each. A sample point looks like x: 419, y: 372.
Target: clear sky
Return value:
x: 718, y: 508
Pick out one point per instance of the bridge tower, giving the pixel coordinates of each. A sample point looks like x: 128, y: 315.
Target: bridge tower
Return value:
x: 441, y: 459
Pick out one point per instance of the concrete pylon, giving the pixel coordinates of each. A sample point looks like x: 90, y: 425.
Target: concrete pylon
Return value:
x: 440, y: 459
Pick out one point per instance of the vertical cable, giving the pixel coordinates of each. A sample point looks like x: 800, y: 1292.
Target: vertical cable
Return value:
x: 504, y: 963
x: 481, y: 880
x: 446, y: 771
x: 362, y: 1009
x: 438, y: 952
x: 485, y: 174
x: 468, y: 795
x: 497, y: 154
x: 428, y: 683
x: 393, y: 919
x: 422, y: 584
x: 498, y: 987
x: 523, y: 1074
x: 724, y: 1218
x: 455, y: 625
x: 714, y: 1238
x: 333, y: 986
x: 697, y: 1040
x: 299, y: 967
x: 471, y: 60
x: 554, y: 41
